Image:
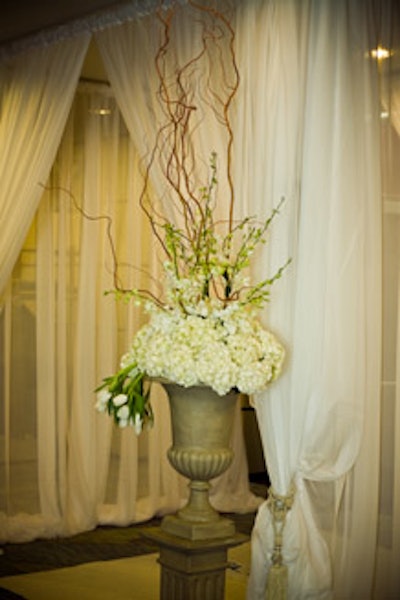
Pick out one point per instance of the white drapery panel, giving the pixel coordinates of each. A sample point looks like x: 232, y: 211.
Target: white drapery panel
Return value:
x: 67, y: 468
x: 310, y: 101
x: 111, y: 476
x: 128, y: 53
x: 36, y: 94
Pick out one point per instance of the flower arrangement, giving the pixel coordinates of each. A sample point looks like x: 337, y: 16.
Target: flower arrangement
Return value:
x: 207, y: 331
x: 204, y: 330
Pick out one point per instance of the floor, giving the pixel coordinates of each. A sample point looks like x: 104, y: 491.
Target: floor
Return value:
x: 108, y: 563
x: 135, y: 578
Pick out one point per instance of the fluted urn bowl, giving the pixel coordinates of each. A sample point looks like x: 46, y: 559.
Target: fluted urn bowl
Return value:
x: 202, y: 424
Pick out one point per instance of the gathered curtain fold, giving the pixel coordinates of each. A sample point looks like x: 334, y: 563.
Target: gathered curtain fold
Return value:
x: 37, y: 92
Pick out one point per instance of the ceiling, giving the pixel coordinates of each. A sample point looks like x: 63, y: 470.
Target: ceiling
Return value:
x: 22, y: 18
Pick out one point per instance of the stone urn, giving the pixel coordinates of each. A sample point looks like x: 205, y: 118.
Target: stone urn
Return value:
x: 202, y: 424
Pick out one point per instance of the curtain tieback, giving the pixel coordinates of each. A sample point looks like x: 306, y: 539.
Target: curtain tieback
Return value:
x: 279, y: 506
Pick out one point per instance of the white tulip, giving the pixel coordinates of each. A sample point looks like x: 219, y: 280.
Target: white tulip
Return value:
x: 120, y: 399
x: 123, y: 412
x: 138, y: 424
x: 103, y: 397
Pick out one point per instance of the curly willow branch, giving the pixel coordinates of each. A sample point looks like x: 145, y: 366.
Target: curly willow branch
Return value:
x: 226, y: 106
x: 115, y: 270
x: 177, y: 100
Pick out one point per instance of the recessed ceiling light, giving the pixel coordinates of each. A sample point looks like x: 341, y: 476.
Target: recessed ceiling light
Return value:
x: 100, y: 111
x: 381, y: 53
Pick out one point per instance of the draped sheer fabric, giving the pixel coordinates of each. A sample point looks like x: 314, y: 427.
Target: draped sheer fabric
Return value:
x: 75, y: 470
x: 36, y: 95
x: 317, y: 152
x: 307, y: 127
x: 37, y: 92
x: 319, y: 146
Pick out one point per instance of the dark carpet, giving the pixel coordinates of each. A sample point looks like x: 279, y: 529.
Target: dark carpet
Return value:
x: 103, y: 543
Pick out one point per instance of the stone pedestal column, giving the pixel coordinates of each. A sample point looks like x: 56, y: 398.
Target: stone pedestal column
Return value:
x: 192, y: 570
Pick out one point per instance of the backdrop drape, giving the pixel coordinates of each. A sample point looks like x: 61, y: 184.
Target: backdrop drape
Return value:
x: 315, y: 124
x: 75, y: 469
x: 37, y: 91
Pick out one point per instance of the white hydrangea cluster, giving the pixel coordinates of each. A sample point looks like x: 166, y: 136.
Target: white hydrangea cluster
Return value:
x: 226, y: 349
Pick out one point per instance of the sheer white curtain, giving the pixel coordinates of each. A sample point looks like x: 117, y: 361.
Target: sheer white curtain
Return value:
x: 128, y: 53
x: 111, y: 476
x: 36, y: 94
x: 309, y: 130
x: 67, y: 468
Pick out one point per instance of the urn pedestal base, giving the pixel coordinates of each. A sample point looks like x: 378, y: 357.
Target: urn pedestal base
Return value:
x: 198, y: 520
x: 193, y: 570
x: 211, y: 530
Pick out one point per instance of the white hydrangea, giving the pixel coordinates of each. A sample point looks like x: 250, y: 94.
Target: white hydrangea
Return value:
x: 224, y: 348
